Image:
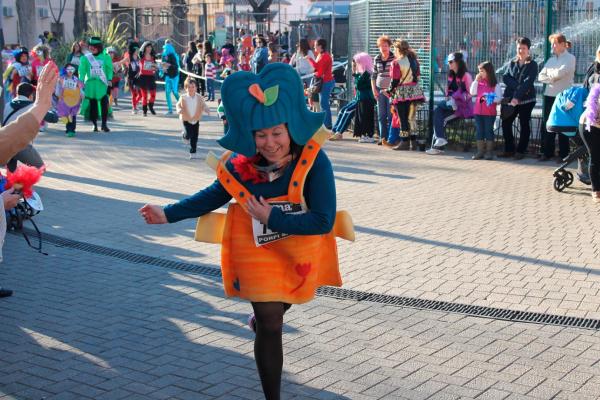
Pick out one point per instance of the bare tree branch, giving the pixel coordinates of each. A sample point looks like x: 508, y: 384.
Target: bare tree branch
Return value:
x: 61, y: 8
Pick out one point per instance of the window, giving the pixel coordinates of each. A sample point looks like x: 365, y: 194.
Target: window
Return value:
x: 147, y: 16
x: 164, y: 17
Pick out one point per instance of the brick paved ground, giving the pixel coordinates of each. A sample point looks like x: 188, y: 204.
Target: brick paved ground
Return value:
x: 486, y: 233
x: 82, y: 326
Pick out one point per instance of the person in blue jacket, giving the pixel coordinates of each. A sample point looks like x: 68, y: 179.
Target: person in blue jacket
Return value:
x: 170, y: 62
x: 260, y: 57
x: 520, y: 94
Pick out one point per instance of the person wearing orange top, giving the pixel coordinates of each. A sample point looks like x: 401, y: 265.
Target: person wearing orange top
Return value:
x: 278, y: 238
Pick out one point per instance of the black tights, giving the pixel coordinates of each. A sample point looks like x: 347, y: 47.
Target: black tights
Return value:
x: 268, y: 346
x: 103, y: 110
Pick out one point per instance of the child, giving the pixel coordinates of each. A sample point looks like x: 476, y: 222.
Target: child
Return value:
x: 190, y: 107
x: 210, y: 72
x: 69, y: 91
x: 394, y: 131
x: 364, y: 119
x: 221, y: 115
x: 488, y: 92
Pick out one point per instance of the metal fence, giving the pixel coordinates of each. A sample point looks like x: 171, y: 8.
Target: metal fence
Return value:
x: 481, y: 29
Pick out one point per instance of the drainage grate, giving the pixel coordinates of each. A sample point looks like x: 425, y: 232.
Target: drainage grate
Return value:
x: 126, y: 255
x: 340, y: 293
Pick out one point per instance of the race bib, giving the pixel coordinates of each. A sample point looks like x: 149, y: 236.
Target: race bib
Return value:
x: 97, y: 71
x: 69, y: 84
x: 148, y: 65
x: 263, y: 235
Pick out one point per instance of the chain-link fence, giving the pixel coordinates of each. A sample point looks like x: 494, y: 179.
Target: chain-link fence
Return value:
x: 481, y: 29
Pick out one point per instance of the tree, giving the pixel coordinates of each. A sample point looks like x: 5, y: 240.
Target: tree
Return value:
x: 180, y: 23
x: 260, y: 8
x: 27, y: 22
x: 57, y: 25
x: 80, y: 19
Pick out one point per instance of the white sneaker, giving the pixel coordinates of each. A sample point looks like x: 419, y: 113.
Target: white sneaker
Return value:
x: 337, y: 136
x: 439, y: 142
x: 366, y: 139
x: 433, y: 151
x: 194, y: 156
x: 134, y: 111
x: 42, y: 128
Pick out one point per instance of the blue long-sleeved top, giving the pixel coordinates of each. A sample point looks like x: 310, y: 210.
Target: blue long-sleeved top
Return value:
x: 319, y: 193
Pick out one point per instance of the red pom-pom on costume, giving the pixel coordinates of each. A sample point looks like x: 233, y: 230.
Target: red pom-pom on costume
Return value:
x: 23, y: 179
x: 244, y: 166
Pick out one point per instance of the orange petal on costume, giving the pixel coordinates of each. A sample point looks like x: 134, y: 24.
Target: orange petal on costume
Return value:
x: 257, y: 92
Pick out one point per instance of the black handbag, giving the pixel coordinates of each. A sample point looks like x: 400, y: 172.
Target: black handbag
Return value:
x: 507, y: 110
x: 316, y: 85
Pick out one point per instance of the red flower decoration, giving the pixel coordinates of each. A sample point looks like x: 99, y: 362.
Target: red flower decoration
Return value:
x: 303, y: 270
x: 244, y: 166
x: 23, y: 179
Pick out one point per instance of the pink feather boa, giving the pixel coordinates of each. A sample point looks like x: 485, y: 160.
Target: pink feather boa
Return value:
x: 591, y: 113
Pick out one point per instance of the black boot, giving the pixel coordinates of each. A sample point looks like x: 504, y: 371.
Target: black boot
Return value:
x: 95, y: 126
x: 105, y: 128
x: 145, y: 110
x: 151, y: 107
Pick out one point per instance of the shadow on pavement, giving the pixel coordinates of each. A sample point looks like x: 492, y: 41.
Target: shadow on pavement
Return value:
x: 71, y: 329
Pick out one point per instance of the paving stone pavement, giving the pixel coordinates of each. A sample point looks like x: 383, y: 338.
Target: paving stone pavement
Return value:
x: 490, y: 233
x: 85, y: 326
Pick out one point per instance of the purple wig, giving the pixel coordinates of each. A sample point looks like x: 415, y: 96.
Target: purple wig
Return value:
x: 364, y: 62
x: 592, y: 105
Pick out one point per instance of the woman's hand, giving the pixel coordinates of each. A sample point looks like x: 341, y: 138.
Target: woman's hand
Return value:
x: 10, y: 198
x: 153, y: 214
x: 514, y: 102
x: 259, y: 209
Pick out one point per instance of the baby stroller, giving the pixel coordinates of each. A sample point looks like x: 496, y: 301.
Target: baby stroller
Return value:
x: 564, y: 178
x: 564, y: 119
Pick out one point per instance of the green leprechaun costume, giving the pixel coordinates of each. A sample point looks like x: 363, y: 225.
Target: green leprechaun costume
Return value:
x: 96, y: 71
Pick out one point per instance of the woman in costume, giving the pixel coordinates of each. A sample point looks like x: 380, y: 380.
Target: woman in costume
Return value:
x: 41, y: 57
x: 96, y: 72
x: 405, y: 91
x: 133, y: 73
x: 17, y: 72
x: 170, y: 63
x: 147, y: 77
x: 69, y: 92
x: 278, y: 237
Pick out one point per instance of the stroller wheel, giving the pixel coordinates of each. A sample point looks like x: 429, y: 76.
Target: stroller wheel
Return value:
x: 568, y: 176
x: 559, y: 184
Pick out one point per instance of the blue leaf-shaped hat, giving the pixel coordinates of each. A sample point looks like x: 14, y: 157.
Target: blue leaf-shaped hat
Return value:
x: 273, y: 97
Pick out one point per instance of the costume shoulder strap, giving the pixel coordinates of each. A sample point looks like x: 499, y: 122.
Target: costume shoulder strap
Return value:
x: 305, y: 163
x: 234, y: 187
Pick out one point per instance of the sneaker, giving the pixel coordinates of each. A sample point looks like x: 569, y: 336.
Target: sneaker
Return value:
x: 439, y: 142
x: 433, y: 151
x: 366, y: 139
x: 8, y: 293
x: 42, y: 128
x: 134, y: 111
x: 169, y: 113
x: 519, y: 156
x: 70, y: 134
x: 336, y: 136
x: 194, y: 156
x: 252, y: 322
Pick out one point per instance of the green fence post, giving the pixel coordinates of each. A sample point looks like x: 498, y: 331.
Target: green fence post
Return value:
x: 431, y: 62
